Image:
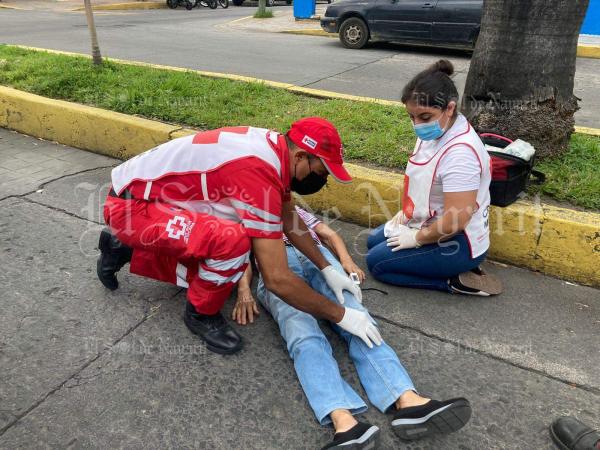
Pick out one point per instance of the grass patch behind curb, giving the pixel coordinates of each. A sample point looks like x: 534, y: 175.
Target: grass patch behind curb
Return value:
x: 372, y: 133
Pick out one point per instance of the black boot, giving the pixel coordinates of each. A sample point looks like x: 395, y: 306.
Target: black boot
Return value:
x: 214, y: 330
x: 113, y: 255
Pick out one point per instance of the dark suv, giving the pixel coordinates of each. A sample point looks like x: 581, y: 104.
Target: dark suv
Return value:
x: 448, y: 23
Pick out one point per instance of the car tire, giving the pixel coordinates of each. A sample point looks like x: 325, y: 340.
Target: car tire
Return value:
x: 237, y: 2
x: 172, y: 3
x: 189, y: 5
x: 270, y: 3
x: 354, y: 33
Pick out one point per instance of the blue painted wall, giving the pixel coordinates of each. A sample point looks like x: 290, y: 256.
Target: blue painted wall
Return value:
x: 591, y: 24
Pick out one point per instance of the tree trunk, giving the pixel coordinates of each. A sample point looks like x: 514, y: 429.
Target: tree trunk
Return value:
x: 96, y: 57
x: 262, y: 7
x: 520, y: 82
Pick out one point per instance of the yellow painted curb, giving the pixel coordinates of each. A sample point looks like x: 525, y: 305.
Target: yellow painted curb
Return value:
x: 311, y: 32
x: 13, y: 7
x: 557, y: 241
x: 586, y: 130
x: 588, y: 51
x: 101, y: 131
x: 126, y: 6
x: 276, y: 84
x: 337, y: 95
x: 569, y: 250
x: 241, y: 19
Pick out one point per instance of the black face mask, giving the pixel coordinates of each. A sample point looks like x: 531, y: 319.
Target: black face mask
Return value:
x: 310, y: 184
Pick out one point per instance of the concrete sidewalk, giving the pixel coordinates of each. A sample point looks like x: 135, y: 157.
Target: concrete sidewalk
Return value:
x: 88, y: 368
x: 282, y: 21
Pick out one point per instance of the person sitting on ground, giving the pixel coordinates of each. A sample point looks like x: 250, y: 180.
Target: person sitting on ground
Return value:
x: 386, y: 381
x: 441, y: 236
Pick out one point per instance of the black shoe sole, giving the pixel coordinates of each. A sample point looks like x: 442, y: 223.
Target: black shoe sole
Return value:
x: 104, y: 246
x: 452, y: 418
x: 212, y: 348
x: 371, y: 443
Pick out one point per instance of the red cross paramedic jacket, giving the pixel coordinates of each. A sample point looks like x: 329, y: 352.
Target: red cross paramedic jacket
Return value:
x: 239, y: 174
x: 194, y: 202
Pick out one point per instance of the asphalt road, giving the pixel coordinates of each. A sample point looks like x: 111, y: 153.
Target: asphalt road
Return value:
x: 86, y: 368
x: 198, y: 39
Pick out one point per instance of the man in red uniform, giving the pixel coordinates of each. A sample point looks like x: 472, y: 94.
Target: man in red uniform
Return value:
x: 189, y: 211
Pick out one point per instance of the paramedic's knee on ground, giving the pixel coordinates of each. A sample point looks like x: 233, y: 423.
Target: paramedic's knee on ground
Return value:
x: 217, y: 275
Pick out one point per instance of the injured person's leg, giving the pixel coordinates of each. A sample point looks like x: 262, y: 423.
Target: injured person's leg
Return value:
x: 385, y: 380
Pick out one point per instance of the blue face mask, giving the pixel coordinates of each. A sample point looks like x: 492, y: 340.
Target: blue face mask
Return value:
x: 429, y: 131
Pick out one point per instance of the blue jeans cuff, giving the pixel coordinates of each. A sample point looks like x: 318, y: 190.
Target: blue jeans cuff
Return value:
x: 389, y: 402
x: 324, y: 419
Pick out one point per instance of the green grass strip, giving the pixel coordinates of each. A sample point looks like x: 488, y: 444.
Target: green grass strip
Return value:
x: 372, y: 133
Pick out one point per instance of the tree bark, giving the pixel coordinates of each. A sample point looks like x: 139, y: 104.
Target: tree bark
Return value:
x: 96, y: 57
x: 262, y: 7
x: 521, y: 79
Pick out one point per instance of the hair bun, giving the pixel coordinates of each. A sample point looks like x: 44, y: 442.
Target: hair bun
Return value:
x: 443, y: 65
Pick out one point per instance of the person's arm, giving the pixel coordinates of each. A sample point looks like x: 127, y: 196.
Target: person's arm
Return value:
x: 279, y: 279
x: 459, y: 207
x: 297, y: 232
x: 335, y: 242
x: 299, y: 236
x: 245, y: 305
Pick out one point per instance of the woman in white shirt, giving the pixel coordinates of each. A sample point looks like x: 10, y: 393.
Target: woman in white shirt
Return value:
x: 441, y: 236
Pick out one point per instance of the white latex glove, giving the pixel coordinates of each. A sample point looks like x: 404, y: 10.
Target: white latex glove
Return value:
x: 394, y: 226
x: 338, y: 282
x: 359, y: 324
x: 406, y: 239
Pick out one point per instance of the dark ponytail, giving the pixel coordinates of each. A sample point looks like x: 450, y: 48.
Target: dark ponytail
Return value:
x: 433, y: 87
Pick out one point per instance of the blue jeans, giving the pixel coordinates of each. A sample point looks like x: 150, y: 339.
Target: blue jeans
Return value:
x: 381, y: 373
x: 427, y: 267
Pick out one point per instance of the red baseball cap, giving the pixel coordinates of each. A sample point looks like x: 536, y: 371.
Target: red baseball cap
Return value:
x: 320, y: 138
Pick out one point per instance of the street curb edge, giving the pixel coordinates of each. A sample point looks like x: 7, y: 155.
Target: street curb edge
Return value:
x: 126, y: 6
